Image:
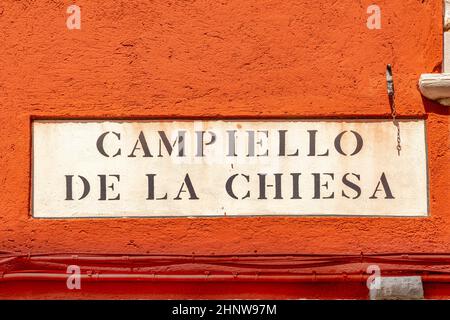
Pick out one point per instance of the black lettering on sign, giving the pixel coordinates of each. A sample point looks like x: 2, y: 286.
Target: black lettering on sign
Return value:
x: 69, y: 187
x: 229, y: 186
x: 100, y: 144
x: 141, y: 140
x: 190, y: 188
x: 358, y: 147
x: 386, y: 188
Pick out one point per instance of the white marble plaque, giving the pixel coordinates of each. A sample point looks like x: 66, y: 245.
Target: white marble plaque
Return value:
x: 228, y: 168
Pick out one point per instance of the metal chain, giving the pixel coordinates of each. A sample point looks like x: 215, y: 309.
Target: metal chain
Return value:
x: 391, y: 93
x: 396, y: 123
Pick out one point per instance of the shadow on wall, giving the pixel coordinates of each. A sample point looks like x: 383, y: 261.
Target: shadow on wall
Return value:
x: 431, y: 106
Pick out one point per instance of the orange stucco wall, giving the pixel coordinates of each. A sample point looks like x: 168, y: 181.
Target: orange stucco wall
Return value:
x: 216, y: 59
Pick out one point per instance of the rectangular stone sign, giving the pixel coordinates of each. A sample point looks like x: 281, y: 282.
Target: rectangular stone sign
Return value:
x: 228, y: 168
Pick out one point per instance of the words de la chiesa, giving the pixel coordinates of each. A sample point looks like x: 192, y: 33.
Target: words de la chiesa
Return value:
x: 185, y: 189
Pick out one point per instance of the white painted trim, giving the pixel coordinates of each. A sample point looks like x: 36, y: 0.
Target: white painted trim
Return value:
x: 436, y: 86
x: 446, y: 59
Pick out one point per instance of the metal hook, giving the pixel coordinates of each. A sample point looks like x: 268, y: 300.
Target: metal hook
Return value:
x: 390, y: 81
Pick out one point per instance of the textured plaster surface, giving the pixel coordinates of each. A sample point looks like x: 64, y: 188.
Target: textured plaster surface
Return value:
x: 216, y: 59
